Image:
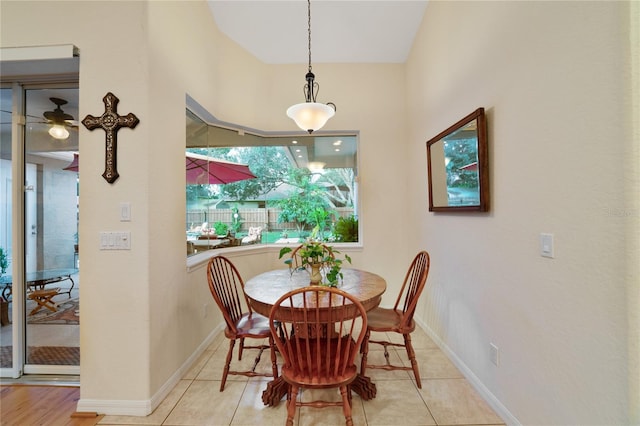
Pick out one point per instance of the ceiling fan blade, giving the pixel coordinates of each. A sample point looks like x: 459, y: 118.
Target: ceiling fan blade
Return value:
x: 58, y: 116
x: 37, y: 117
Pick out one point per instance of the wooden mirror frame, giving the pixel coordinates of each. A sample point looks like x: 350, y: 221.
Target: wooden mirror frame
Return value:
x: 472, y: 128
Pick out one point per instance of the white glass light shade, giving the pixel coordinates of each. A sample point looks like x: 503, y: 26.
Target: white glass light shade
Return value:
x: 58, y: 131
x: 316, y: 166
x: 310, y: 116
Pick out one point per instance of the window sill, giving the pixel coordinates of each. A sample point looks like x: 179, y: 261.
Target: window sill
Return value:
x: 200, y: 260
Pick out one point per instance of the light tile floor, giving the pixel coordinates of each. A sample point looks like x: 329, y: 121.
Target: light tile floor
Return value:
x: 446, y: 398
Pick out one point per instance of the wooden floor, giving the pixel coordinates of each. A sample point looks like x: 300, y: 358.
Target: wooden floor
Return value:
x: 22, y: 405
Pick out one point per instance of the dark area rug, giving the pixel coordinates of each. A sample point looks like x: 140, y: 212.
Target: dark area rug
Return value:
x: 44, y: 355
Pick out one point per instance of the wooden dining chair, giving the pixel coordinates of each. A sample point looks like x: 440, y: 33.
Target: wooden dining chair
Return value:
x: 399, y: 319
x: 227, y: 288
x: 322, y: 330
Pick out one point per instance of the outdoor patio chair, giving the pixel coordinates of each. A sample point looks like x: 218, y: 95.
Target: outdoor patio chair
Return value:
x: 43, y: 297
x: 253, y: 236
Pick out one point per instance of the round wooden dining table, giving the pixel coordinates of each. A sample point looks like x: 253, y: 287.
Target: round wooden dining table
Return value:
x: 265, y: 289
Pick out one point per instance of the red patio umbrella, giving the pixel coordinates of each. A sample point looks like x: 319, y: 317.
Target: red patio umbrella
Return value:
x: 73, y: 167
x: 471, y: 167
x: 202, y: 170
x: 199, y: 167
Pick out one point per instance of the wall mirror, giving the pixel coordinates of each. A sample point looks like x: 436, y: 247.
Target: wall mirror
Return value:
x: 457, y: 162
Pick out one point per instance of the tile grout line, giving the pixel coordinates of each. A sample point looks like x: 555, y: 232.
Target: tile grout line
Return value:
x: 178, y: 401
x: 235, y: 412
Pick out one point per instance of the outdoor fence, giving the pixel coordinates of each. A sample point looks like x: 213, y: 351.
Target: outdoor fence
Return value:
x: 266, y: 218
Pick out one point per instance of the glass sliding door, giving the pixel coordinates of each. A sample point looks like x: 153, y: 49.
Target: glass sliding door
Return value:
x: 6, y: 215
x: 40, y: 287
x: 52, y: 343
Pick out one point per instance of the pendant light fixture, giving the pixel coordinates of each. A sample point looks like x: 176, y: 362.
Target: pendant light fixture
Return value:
x: 57, y: 131
x: 311, y: 115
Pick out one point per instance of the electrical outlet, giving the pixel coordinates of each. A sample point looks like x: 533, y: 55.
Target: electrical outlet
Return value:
x: 494, y: 354
x: 204, y: 310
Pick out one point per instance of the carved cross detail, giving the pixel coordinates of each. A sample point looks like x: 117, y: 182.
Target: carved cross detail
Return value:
x: 110, y: 122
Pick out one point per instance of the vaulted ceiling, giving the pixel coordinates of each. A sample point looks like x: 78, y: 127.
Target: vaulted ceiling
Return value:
x: 341, y: 31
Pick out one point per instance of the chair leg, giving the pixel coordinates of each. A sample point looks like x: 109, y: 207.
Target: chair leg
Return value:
x: 412, y: 357
x: 241, y: 349
x: 227, y: 364
x: 274, y: 363
x: 346, y: 405
x: 291, y: 404
x: 364, y: 350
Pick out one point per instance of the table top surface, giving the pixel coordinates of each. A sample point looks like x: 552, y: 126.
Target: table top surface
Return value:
x: 41, y: 275
x: 265, y: 289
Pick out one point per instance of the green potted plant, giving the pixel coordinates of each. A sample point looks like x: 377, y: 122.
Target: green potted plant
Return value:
x: 346, y: 229
x: 221, y: 228
x: 236, y: 220
x: 4, y: 262
x: 317, y: 258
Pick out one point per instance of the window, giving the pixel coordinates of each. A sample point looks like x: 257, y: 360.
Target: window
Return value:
x: 248, y: 188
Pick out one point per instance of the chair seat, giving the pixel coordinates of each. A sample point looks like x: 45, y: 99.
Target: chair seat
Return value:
x: 251, y: 325
x: 310, y: 374
x: 319, y: 381
x: 382, y: 319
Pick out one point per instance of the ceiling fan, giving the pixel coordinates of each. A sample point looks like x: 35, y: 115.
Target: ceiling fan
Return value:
x: 59, y: 120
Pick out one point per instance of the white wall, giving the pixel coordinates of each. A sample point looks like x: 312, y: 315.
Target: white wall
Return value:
x: 188, y: 55
x: 555, y: 80
x: 142, y: 315
x: 114, y: 332
x: 552, y: 77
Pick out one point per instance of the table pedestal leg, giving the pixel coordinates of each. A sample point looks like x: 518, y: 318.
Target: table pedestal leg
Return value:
x: 364, y: 387
x: 276, y: 389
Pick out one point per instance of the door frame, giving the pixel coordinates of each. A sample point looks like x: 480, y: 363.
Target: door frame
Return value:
x: 18, y: 237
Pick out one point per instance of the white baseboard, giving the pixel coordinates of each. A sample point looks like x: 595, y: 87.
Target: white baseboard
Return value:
x: 116, y: 407
x: 145, y: 407
x: 482, y: 390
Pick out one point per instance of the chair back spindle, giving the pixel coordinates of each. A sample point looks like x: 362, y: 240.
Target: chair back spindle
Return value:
x: 321, y: 330
x: 412, y: 286
x: 225, y: 285
x: 227, y: 288
x: 399, y: 319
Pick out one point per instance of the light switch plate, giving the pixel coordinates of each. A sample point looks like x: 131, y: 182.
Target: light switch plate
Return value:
x: 125, y: 212
x: 546, y: 245
x: 115, y: 240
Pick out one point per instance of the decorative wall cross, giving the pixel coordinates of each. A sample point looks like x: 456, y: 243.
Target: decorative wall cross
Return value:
x: 110, y: 122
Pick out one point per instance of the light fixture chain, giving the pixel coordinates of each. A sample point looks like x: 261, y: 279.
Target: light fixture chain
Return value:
x: 311, y: 115
x: 309, y: 30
